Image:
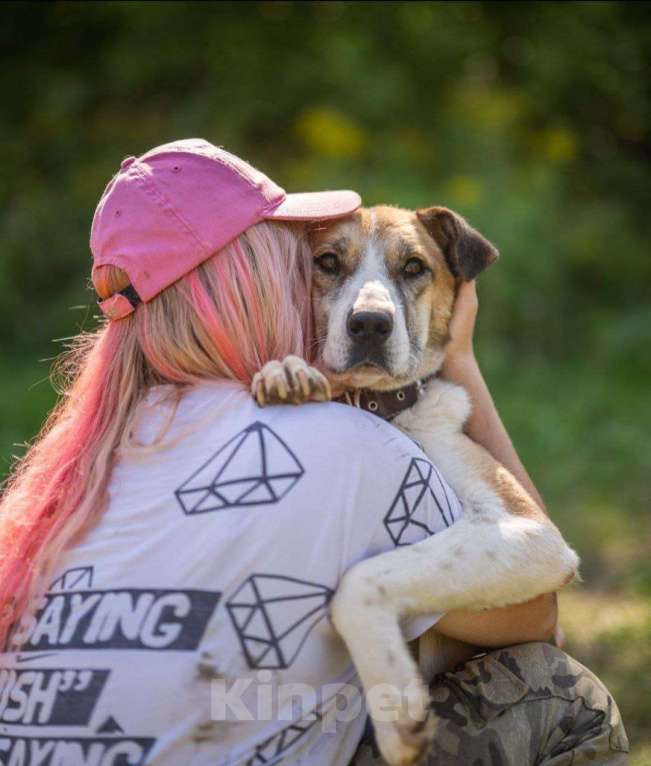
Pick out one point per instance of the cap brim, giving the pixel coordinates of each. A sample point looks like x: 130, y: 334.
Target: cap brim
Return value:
x: 316, y: 206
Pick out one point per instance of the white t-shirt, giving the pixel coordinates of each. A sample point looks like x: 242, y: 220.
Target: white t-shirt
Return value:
x: 174, y: 632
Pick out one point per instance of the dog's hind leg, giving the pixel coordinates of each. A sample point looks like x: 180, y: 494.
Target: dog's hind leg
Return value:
x: 472, y: 564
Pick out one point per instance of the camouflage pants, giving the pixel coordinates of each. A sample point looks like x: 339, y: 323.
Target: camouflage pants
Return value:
x: 528, y: 704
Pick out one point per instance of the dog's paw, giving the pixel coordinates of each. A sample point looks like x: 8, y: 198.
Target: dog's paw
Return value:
x: 291, y: 381
x: 404, y: 724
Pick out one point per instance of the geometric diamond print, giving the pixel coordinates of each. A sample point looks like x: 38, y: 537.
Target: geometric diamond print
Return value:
x: 273, y: 749
x: 255, y: 467
x: 273, y: 616
x: 408, y: 508
x: 73, y: 579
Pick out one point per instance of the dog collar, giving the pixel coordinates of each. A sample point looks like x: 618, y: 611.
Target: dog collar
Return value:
x: 385, y: 404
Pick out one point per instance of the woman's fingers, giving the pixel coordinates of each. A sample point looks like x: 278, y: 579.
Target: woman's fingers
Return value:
x: 462, y: 323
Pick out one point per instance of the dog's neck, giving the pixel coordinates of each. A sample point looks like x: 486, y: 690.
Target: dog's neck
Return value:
x: 386, y: 404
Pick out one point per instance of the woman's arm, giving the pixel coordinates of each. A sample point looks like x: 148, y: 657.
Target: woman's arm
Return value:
x: 534, y: 620
x: 484, y: 425
x: 517, y: 624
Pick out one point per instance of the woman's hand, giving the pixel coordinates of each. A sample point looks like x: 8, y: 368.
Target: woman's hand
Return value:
x: 462, y: 326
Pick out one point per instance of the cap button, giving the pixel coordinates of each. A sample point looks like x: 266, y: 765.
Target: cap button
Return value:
x: 127, y: 162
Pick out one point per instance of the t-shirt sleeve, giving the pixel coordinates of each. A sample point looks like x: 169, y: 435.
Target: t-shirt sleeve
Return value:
x: 401, y: 499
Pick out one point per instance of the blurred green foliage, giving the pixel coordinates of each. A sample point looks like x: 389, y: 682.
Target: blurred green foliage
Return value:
x: 531, y: 119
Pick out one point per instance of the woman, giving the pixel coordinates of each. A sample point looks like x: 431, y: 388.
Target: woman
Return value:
x: 167, y: 549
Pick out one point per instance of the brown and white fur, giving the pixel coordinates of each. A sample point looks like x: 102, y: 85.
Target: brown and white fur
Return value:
x: 384, y: 285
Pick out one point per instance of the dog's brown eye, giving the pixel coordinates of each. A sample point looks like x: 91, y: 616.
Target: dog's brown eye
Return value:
x: 328, y: 262
x: 413, y: 268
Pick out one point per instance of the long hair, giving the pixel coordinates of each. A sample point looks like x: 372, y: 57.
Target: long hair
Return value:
x: 243, y: 307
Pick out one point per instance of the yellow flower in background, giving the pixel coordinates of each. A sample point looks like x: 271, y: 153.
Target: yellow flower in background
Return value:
x: 559, y: 145
x: 463, y: 190
x: 330, y: 133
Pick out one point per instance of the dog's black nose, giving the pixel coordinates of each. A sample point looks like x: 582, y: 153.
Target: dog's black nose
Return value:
x: 373, y: 326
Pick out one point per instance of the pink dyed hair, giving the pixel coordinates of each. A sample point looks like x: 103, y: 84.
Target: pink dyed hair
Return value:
x: 243, y: 307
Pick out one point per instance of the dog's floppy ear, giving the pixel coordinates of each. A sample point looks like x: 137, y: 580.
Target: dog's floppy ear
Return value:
x: 465, y: 250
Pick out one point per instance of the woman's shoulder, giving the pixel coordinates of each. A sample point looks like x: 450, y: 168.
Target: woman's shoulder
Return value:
x: 203, y: 427
x: 336, y: 421
x: 339, y: 432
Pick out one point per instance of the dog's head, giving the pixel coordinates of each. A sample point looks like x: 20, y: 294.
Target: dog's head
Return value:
x: 384, y: 283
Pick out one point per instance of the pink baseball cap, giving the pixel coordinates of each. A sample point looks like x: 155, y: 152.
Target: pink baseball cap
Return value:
x: 169, y: 210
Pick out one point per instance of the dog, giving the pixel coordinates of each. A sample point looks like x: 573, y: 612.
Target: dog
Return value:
x: 384, y: 284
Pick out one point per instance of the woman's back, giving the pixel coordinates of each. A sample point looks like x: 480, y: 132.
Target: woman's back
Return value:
x: 174, y: 631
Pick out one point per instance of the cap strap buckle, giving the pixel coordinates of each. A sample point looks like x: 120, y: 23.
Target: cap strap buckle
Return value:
x: 121, y: 304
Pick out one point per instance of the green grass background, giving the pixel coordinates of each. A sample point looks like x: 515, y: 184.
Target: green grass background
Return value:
x: 531, y: 119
